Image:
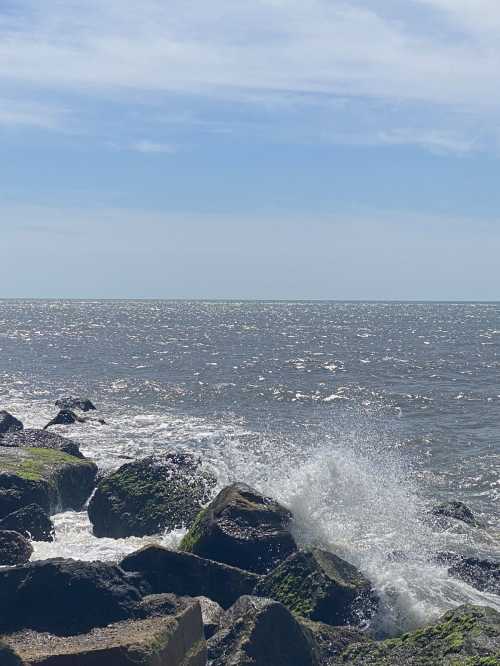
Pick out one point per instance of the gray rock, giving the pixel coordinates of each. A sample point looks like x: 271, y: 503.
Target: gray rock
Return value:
x: 484, y: 575
x: 41, y: 439
x: 456, y: 510
x: 14, y: 548
x: 71, y: 402
x: 9, y: 423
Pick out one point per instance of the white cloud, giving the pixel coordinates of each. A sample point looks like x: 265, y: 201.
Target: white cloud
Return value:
x: 434, y: 140
x: 15, y: 113
x: 153, y: 147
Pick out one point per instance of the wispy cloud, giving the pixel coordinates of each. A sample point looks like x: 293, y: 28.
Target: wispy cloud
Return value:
x: 153, y: 147
x: 15, y: 113
x: 436, y: 141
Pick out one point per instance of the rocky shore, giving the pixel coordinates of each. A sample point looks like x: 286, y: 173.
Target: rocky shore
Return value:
x: 238, y: 591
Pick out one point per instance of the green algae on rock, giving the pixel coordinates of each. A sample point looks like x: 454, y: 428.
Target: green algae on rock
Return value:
x: 150, y: 495
x: 321, y: 586
x: 466, y: 636
x: 242, y: 528
x: 52, y: 479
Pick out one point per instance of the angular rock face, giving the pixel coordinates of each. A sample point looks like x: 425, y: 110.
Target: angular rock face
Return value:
x: 71, y: 402
x: 14, y: 548
x: 321, y: 586
x: 456, y: 510
x: 211, y: 614
x: 149, y: 496
x: 64, y: 417
x: 260, y: 632
x: 9, y: 423
x: 172, y: 639
x: 184, y: 573
x: 31, y: 521
x: 41, y: 439
x: 481, y: 574
x: 329, y: 642
x: 65, y: 596
x: 466, y: 636
x: 54, y: 480
x: 242, y: 528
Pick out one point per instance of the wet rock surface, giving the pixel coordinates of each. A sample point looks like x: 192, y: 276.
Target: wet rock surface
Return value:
x: 31, y: 521
x: 183, y: 573
x: 321, y: 586
x: 457, y: 511
x: 242, y: 528
x: 484, y: 575
x: 72, y: 402
x: 9, y: 423
x: 14, y: 548
x: 41, y: 439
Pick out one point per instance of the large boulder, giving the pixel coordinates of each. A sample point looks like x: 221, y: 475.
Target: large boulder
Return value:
x: 466, y: 636
x: 41, y: 439
x: 65, y: 596
x: 260, y: 632
x: 9, y: 423
x: 71, y: 402
x: 64, y: 417
x: 173, y: 637
x: 481, y: 574
x: 183, y: 573
x: 150, y: 495
x: 242, y: 528
x: 457, y: 511
x: 52, y: 479
x: 330, y: 642
x: 321, y: 586
x: 31, y: 521
x: 14, y: 548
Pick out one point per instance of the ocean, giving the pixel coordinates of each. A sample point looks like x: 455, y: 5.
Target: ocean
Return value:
x: 358, y: 416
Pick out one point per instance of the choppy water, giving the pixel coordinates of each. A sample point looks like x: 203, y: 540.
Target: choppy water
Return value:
x: 357, y: 416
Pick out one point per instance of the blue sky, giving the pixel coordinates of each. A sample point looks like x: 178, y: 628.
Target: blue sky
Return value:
x: 250, y: 149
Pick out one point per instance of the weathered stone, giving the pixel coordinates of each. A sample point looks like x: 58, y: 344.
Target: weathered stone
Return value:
x: 14, y: 548
x: 481, y: 574
x: 9, y: 423
x: 52, y: 479
x: 211, y: 614
x: 31, y: 521
x: 65, y: 596
x: 329, y: 642
x: 466, y: 636
x: 456, y: 510
x: 184, y: 573
x: 242, y: 528
x: 174, y: 639
x: 321, y: 586
x: 64, y: 417
x: 260, y: 632
x: 150, y: 495
x: 41, y: 439
x: 71, y: 402
x: 8, y: 657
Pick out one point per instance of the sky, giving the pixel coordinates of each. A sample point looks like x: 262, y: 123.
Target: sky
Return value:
x: 268, y: 149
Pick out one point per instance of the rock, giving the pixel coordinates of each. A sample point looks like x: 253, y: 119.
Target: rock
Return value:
x: 242, y: 528
x: 184, y: 573
x: 172, y: 639
x: 65, y: 596
x: 54, y: 480
x: 9, y: 423
x: 14, y: 548
x: 64, y: 417
x: 8, y: 657
x: 41, y: 439
x: 330, y: 642
x: 211, y: 614
x: 150, y: 495
x: 466, y: 636
x: 484, y: 575
x: 456, y: 510
x: 321, y: 586
x: 31, y: 521
x: 70, y: 402
x: 260, y: 632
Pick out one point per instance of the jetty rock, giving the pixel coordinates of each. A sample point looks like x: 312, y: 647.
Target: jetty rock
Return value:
x: 41, y: 439
x: 14, y: 548
x: 9, y: 423
x: 151, y: 495
x: 321, y: 586
x: 72, y: 402
x: 31, y: 521
x: 242, y: 528
x: 54, y: 480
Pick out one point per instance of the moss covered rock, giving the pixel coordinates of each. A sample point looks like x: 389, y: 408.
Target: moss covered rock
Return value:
x: 52, y: 479
x: 242, y: 528
x: 321, y: 586
x: 41, y: 439
x: 150, y: 495
x: 14, y: 548
x: 466, y: 636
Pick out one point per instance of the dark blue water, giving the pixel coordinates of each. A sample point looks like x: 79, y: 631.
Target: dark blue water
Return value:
x: 358, y: 415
